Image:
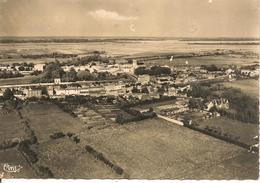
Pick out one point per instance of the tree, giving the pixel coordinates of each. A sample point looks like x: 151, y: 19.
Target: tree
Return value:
x: 158, y: 70
x: 84, y: 75
x: 140, y: 71
x: 200, y: 91
x: 154, y: 70
x: 8, y: 94
x: 71, y: 75
x: 211, y: 67
x: 150, y: 109
x: 195, y: 103
x: 44, y: 91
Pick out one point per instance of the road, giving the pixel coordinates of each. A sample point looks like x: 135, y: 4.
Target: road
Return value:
x: 62, y: 83
x: 170, y: 120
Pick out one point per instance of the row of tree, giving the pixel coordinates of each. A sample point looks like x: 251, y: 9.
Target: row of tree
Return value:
x: 54, y: 70
x: 134, y: 115
x: 9, y: 74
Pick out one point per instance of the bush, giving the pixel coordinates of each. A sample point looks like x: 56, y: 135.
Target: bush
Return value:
x: 45, y: 172
x: 200, y: 91
x: 8, y: 94
x: 8, y: 144
x: 70, y: 134
x: 133, y: 115
x: 76, y: 139
x: 102, y: 158
x: 57, y: 135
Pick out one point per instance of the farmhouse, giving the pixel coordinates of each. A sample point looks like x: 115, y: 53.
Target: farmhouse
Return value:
x: 164, y: 80
x: 218, y: 103
x: 38, y: 67
x: 67, y: 91
x: 172, y: 91
x: 229, y: 71
x: 33, y: 93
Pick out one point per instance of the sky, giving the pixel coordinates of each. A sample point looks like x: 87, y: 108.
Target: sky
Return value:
x: 150, y: 18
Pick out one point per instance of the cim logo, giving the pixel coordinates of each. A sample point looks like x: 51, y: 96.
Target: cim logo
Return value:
x: 12, y: 168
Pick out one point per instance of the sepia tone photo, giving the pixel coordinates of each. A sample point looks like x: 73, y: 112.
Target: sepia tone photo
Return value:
x: 129, y: 89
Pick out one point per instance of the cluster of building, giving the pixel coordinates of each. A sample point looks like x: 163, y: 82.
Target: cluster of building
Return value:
x: 113, y: 68
x: 188, y: 74
x: 181, y: 111
x: 219, y: 103
x: 24, y: 69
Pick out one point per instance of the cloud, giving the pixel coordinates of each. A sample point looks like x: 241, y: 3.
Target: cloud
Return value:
x: 112, y: 15
x: 132, y: 28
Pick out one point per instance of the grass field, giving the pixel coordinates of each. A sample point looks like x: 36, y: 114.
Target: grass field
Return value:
x: 157, y: 149
x: 20, y: 80
x: 115, y: 48
x: 67, y: 160
x: 151, y: 149
x: 249, y: 86
x: 245, y: 131
x: 46, y: 119
x: 15, y: 158
x: 10, y: 126
x: 206, y: 60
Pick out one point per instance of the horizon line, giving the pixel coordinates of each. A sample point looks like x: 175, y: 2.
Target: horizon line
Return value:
x: 110, y: 36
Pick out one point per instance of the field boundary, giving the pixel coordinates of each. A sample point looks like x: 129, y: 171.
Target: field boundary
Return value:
x: 99, y: 156
x: 220, y: 137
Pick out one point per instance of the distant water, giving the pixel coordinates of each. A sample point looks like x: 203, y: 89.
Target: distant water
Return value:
x: 118, y: 38
x: 121, y: 45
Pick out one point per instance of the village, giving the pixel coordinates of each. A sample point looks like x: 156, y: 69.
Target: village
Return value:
x: 134, y: 82
x: 78, y: 101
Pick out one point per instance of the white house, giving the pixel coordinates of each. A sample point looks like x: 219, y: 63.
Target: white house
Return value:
x: 33, y: 93
x: 218, y: 103
x: 38, y: 67
x: 144, y: 79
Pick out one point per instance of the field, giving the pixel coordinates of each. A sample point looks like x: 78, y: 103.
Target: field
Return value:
x: 122, y: 48
x: 15, y: 158
x: 151, y: 149
x: 249, y: 86
x: 206, y: 60
x: 46, y: 119
x: 245, y: 131
x: 67, y: 160
x: 156, y: 149
x: 19, y: 80
x: 10, y: 126
x: 90, y: 117
x: 59, y: 155
x: 107, y: 111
